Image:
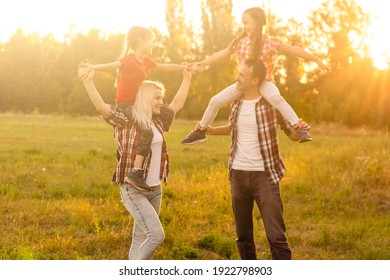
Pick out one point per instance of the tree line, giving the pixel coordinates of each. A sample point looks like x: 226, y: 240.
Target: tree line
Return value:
x: 39, y: 73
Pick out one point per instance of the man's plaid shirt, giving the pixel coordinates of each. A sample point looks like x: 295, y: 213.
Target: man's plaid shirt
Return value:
x: 126, y: 137
x: 269, y: 52
x: 268, y: 120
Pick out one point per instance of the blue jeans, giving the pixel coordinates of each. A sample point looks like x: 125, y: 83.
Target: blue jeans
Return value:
x: 247, y: 187
x: 144, y: 207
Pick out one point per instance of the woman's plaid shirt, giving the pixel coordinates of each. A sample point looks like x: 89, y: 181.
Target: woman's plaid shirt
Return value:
x: 269, y: 52
x: 268, y: 120
x: 126, y: 137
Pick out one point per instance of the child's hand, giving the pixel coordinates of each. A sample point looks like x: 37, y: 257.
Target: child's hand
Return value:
x: 85, y: 71
x: 196, y: 68
x: 323, y: 66
x: 186, y: 71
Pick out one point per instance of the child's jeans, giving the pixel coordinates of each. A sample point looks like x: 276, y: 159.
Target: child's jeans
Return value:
x: 144, y: 207
x: 268, y: 90
x: 145, y: 135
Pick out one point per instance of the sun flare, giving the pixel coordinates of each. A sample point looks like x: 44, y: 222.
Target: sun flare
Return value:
x: 379, y: 43
x: 59, y: 17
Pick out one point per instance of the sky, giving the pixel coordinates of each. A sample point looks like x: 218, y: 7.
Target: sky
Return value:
x: 60, y: 16
x: 114, y: 15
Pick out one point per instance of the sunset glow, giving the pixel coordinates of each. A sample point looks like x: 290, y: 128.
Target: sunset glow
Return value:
x: 61, y: 17
x: 379, y: 42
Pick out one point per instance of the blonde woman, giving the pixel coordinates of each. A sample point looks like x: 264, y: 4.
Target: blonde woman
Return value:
x: 132, y: 68
x: 148, y: 111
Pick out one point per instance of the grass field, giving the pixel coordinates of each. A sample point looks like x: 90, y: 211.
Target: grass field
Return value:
x: 57, y: 201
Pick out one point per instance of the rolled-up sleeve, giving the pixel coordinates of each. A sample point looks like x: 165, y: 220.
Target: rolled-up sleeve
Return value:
x: 274, y: 43
x: 116, y: 118
x: 166, y: 116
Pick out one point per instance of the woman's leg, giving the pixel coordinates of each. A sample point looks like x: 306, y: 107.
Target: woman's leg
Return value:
x: 271, y: 93
x: 148, y: 233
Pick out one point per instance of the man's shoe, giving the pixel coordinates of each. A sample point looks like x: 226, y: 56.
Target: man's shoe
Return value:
x: 303, y: 135
x: 196, y: 136
x: 136, y: 180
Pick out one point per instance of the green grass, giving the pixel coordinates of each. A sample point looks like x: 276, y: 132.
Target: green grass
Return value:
x: 57, y: 201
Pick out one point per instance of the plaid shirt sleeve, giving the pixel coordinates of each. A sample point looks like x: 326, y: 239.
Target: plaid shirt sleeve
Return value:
x: 285, y: 125
x: 116, y: 118
x: 166, y: 117
x: 274, y: 43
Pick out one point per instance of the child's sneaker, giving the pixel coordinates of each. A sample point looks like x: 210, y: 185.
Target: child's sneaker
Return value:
x: 136, y: 180
x: 196, y: 136
x: 303, y: 135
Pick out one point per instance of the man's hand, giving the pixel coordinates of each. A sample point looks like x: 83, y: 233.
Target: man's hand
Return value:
x: 302, y: 124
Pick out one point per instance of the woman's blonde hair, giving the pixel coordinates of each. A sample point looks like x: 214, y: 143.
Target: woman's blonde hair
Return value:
x: 142, y: 108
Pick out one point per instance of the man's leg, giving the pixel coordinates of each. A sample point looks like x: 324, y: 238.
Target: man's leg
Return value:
x: 267, y: 196
x: 242, y: 202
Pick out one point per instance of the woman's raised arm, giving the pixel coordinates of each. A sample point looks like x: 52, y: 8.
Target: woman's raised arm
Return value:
x: 181, y: 95
x: 86, y: 73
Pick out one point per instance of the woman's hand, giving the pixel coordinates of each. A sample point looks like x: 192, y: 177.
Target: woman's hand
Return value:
x: 85, y: 71
x: 187, y: 73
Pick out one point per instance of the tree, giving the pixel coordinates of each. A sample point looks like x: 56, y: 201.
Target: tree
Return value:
x: 340, y: 26
x: 180, y: 42
x: 21, y: 72
x: 218, y: 31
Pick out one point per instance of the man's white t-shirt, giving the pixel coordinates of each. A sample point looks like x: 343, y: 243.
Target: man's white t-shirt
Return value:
x: 247, y: 154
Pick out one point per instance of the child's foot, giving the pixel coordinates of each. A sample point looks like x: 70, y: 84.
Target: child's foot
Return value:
x: 136, y: 180
x: 196, y: 136
x: 303, y: 135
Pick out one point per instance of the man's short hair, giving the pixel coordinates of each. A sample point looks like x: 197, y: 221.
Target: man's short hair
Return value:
x: 258, y: 69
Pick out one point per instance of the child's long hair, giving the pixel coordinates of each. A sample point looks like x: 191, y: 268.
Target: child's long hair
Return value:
x: 134, y: 36
x: 258, y: 69
x: 142, y: 109
x: 258, y: 15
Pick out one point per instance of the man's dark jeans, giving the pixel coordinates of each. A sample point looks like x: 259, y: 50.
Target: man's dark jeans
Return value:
x: 245, y: 188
